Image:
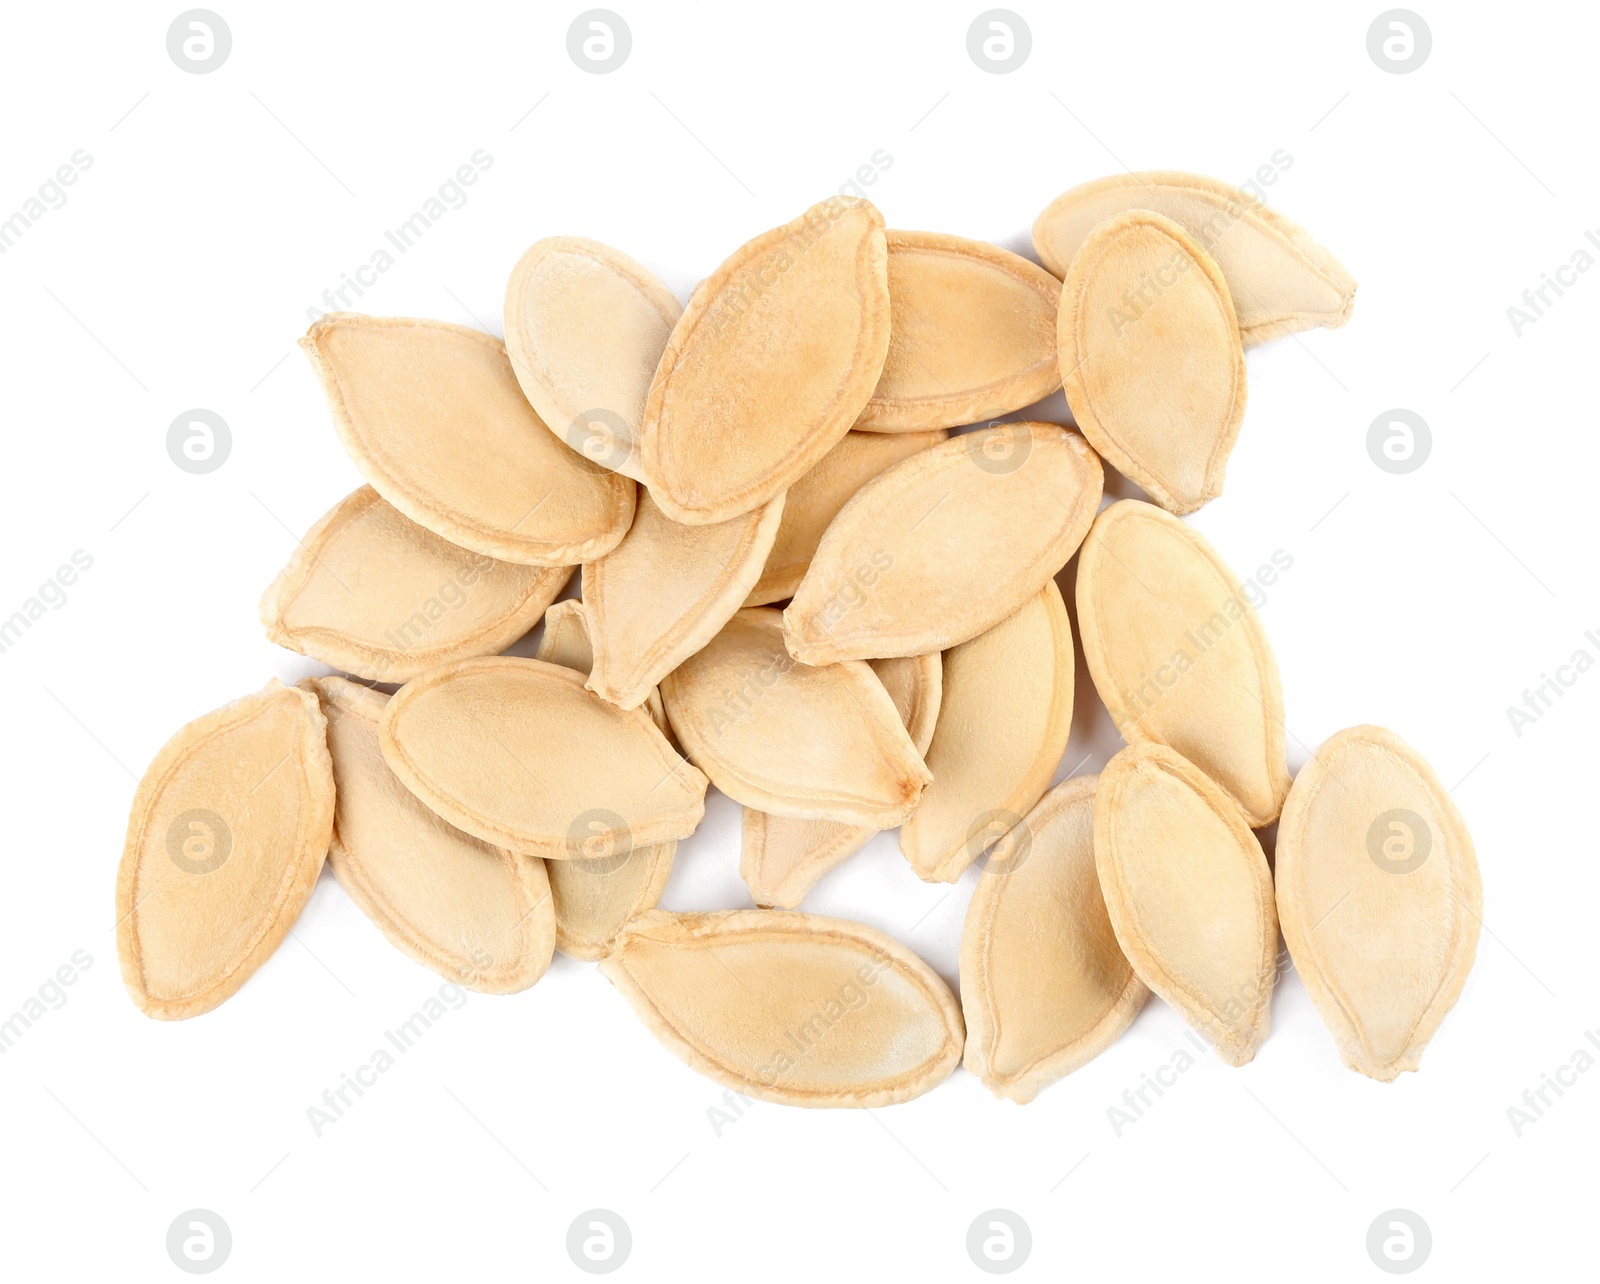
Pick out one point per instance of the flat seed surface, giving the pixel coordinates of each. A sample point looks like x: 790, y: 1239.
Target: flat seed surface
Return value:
x: 585, y: 328
x: 1003, y: 725
x: 1379, y: 896
x: 226, y: 837
x: 432, y: 416
x: 972, y: 334
x: 822, y: 743
x: 1044, y: 986
x: 790, y: 1008
x: 1178, y: 653
x: 770, y: 364
x: 1151, y: 358
x: 371, y: 592
x: 1189, y: 895
x: 945, y: 544
x: 518, y: 753
x: 1279, y: 278
x: 477, y: 914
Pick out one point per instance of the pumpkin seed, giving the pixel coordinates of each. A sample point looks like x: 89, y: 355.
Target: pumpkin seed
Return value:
x: 782, y: 858
x: 1379, y: 896
x: 971, y: 334
x: 226, y: 838
x: 432, y: 416
x: 565, y: 641
x: 585, y: 327
x: 517, y: 752
x: 770, y: 364
x: 371, y: 592
x: 477, y: 914
x: 790, y: 1008
x: 1044, y: 986
x: 1003, y: 725
x: 1189, y: 895
x: 1280, y: 279
x: 945, y: 545
x: 815, y: 500
x: 822, y: 743
x: 1178, y: 654
x: 665, y: 591
x: 1151, y: 358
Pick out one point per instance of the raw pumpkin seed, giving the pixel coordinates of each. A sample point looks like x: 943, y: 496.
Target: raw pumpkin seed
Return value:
x: 822, y: 743
x: 1379, y: 897
x: 945, y: 544
x: 1189, y: 895
x: 971, y: 335
x: 1151, y: 359
x: 371, y: 592
x: 770, y: 365
x: 432, y: 416
x: 1280, y: 279
x: 790, y: 1008
x: 226, y: 838
x: 1044, y: 986
x: 1178, y: 654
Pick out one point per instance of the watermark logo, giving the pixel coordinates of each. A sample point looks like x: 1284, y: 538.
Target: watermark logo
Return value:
x: 599, y: 1241
x: 999, y: 41
x: 1399, y: 841
x: 199, y: 1241
x: 199, y: 441
x: 999, y: 1241
x: 601, y: 839
x: 1399, y: 441
x: 599, y: 41
x: 1399, y: 1241
x: 603, y: 437
x: 1399, y: 41
x: 199, y: 41
x: 1000, y: 448
x: 199, y: 841
x: 1006, y: 836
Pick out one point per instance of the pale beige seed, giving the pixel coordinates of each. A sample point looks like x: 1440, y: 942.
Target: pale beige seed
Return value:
x: 972, y: 334
x: 1379, y: 897
x: 1044, y: 986
x: 371, y: 592
x: 1280, y: 279
x: 1151, y: 359
x: 790, y: 1008
x: 781, y: 859
x: 432, y: 416
x: 596, y: 895
x: 477, y: 914
x: 1178, y: 654
x: 1003, y: 725
x: 945, y: 545
x: 665, y: 591
x: 227, y: 835
x: 815, y: 500
x: 1189, y: 895
x: 822, y: 743
x: 585, y: 327
x: 770, y: 364
x: 518, y: 753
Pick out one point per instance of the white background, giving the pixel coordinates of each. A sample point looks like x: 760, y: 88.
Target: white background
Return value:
x: 178, y: 274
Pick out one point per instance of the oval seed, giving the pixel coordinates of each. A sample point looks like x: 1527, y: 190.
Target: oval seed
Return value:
x: 1189, y: 895
x: 1178, y: 654
x: 790, y: 1008
x: 432, y: 416
x: 585, y: 327
x: 665, y: 591
x: 371, y: 592
x: 1151, y: 359
x: 821, y: 743
x: 1003, y: 725
x: 770, y: 365
x: 477, y: 914
x: 1044, y: 986
x: 1379, y: 896
x: 518, y: 753
x: 781, y: 859
x: 1279, y: 278
x: 945, y: 545
x: 226, y: 838
x: 815, y: 500
x: 972, y: 334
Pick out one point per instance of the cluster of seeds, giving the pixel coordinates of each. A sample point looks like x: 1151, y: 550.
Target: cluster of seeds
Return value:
x: 786, y: 438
